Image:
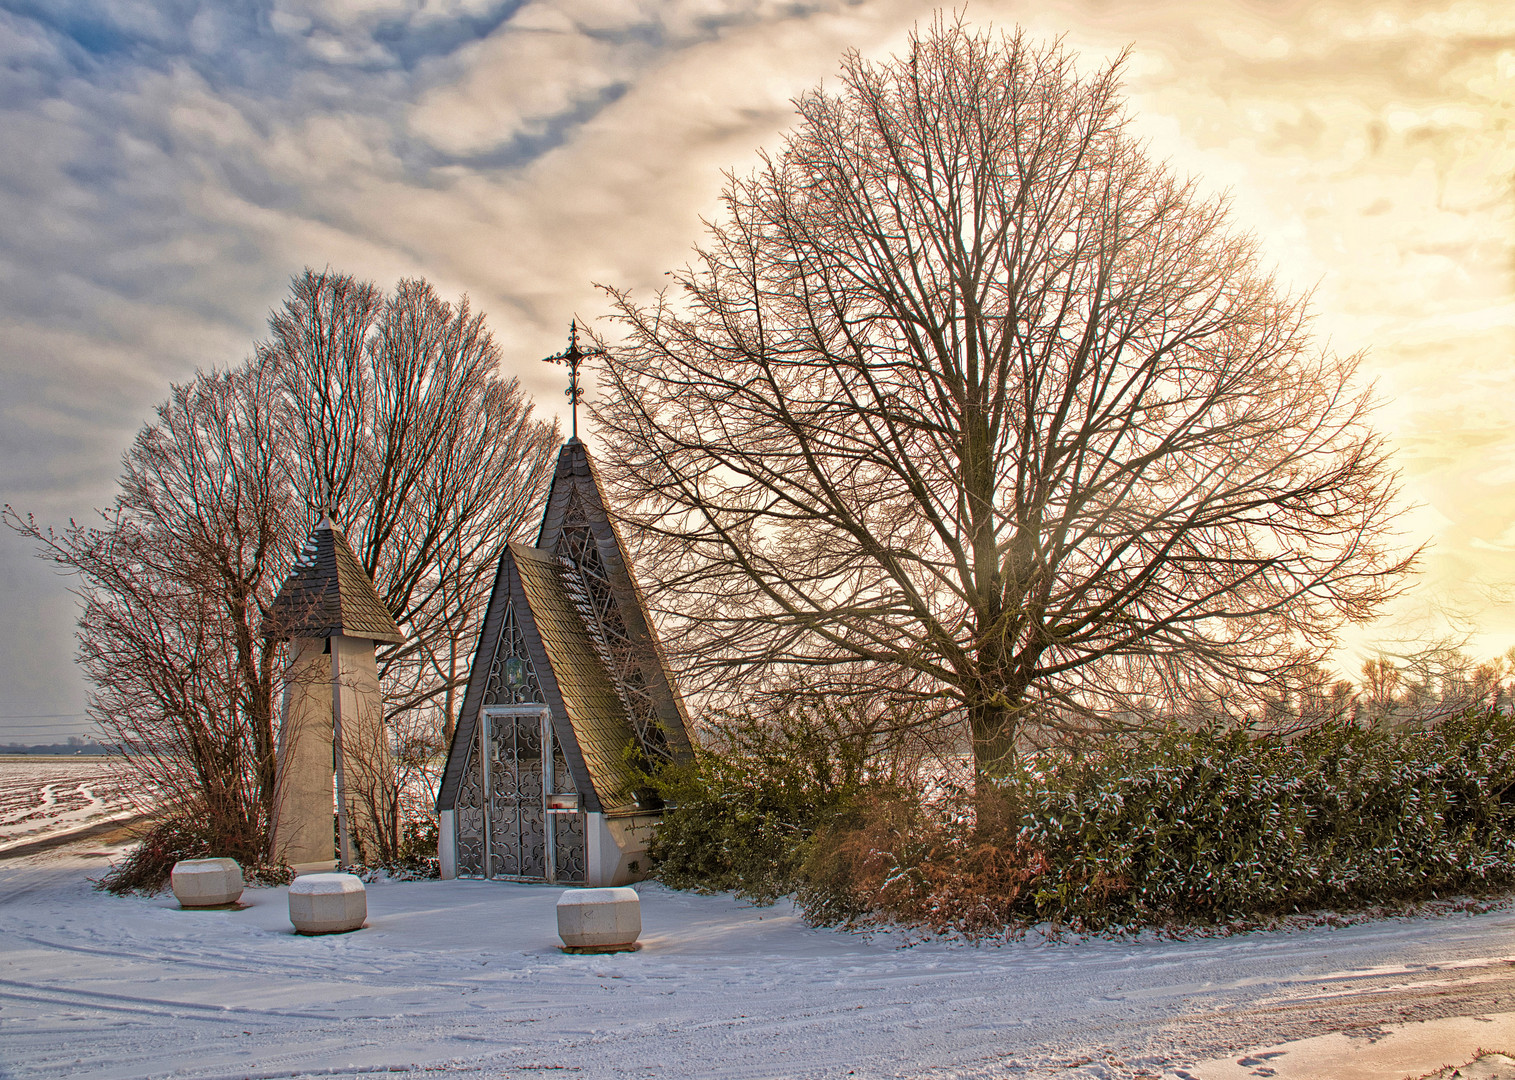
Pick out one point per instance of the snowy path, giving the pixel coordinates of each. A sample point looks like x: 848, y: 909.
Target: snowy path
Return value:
x: 464, y: 976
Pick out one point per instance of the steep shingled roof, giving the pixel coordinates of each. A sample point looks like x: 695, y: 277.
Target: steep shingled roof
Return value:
x: 583, y: 687
x: 576, y: 488
x: 593, y: 670
x: 328, y: 592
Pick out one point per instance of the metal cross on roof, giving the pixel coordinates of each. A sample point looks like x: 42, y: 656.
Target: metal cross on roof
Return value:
x: 573, y: 356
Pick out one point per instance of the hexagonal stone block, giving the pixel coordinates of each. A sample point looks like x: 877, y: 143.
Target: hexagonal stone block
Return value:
x: 327, y: 903
x: 599, y: 920
x: 199, y: 883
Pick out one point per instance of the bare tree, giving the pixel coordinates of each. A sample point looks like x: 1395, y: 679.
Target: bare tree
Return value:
x: 962, y: 385
x: 430, y: 462
x: 1381, y: 680
x: 174, y: 579
x: 391, y: 406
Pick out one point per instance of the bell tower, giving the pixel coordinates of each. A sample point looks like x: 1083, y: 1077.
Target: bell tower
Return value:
x: 333, y: 747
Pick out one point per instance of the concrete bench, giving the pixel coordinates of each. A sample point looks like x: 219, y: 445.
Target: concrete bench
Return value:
x: 327, y: 903
x: 599, y: 920
x: 199, y: 883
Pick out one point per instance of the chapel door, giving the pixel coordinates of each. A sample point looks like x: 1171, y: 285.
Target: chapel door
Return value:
x: 515, y: 815
x: 524, y: 840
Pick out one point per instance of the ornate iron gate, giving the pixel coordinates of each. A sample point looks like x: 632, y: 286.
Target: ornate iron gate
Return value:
x: 515, y: 817
x: 509, y: 831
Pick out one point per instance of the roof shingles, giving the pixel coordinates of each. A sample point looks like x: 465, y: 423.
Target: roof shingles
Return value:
x: 327, y: 593
x: 595, y: 710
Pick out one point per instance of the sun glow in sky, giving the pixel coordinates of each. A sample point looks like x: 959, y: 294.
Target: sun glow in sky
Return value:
x: 169, y: 165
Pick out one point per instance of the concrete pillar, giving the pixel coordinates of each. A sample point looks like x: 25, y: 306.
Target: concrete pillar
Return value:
x: 447, y: 844
x: 320, y: 712
x: 366, y: 770
x: 304, y: 799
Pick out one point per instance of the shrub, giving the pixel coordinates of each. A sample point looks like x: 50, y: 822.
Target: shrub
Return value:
x: 167, y: 840
x: 741, y: 816
x: 146, y: 867
x: 415, y: 855
x: 897, y: 859
x: 1189, y: 827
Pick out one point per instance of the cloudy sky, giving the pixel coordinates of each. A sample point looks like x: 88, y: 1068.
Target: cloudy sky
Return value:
x: 167, y: 166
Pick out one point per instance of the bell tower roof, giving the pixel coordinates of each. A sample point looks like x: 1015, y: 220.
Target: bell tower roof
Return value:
x: 328, y: 592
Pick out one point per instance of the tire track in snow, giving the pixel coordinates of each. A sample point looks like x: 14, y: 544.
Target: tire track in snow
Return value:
x: 135, y: 1004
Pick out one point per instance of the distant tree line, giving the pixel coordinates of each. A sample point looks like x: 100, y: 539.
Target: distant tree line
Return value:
x: 74, y: 745
x: 1407, y: 690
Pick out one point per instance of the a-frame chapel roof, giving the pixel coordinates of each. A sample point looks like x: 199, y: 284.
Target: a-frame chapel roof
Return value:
x: 572, y: 603
x: 328, y: 592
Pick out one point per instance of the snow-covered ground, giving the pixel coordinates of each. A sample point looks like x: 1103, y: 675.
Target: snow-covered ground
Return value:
x: 466, y: 977
x: 45, y: 797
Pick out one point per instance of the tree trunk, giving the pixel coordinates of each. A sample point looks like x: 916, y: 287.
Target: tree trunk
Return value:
x: 264, y: 744
x: 255, y: 668
x: 993, y: 724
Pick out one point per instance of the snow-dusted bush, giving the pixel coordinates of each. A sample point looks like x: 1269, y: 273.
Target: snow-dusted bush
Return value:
x: 167, y: 840
x: 1187, y: 827
x: 740, y: 817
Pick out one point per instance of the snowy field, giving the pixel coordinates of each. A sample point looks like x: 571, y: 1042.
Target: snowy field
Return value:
x: 465, y: 977
x: 44, y: 797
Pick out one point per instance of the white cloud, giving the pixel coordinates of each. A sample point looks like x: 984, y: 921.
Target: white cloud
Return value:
x: 518, y: 82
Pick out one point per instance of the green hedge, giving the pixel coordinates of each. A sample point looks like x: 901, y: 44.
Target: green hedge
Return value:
x: 1183, y: 827
x: 742, y: 817
x: 1209, y: 825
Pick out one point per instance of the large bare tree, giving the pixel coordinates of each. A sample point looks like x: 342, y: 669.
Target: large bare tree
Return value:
x: 173, y: 578
x: 965, y: 398
x: 430, y: 462
x: 388, y: 408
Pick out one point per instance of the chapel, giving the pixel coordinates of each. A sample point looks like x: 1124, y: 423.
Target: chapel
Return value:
x: 569, y: 703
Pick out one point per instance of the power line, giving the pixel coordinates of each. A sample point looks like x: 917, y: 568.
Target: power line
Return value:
x: 44, y: 723
x: 45, y: 719
x: 40, y: 722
